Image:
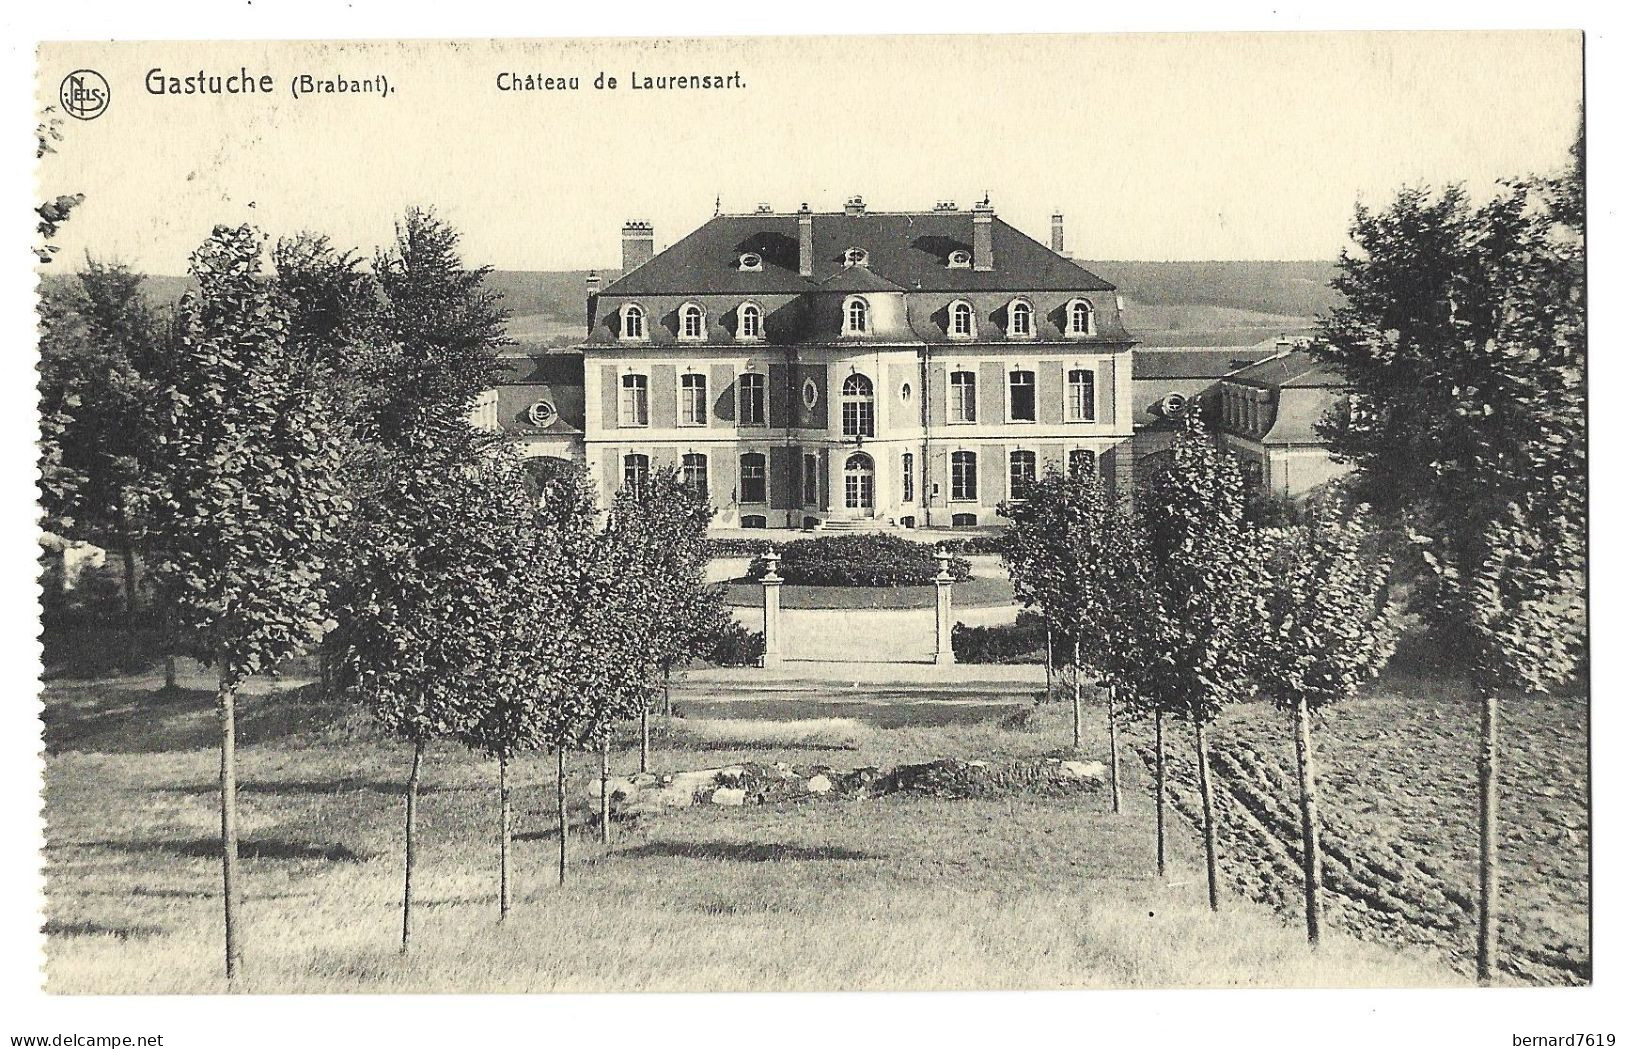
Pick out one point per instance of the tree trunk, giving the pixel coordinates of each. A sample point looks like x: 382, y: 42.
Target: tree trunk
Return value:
x: 411, y: 845
x: 1111, y: 735
x: 564, y: 823
x: 1162, y: 792
x: 1488, y: 833
x: 132, y: 644
x: 1049, y: 662
x: 506, y: 833
x: 666, y: 689
x: 603, y: 793
x: 643, y: 739
x: 1309, y: 817
x: 171, y: 677
x: 1077, y: 699
x: 226, y: 701
x: 1208, y: 831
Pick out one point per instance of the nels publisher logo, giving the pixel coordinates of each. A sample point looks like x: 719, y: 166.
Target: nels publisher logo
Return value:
x: 84, y: 94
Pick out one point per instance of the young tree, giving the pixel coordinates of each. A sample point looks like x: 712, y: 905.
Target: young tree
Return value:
x: 1202, y: 569
x: 1463, y: 343
x: 1061, y: 544
x: 662, y: 526
x: 1326, y: 629
x: 250, y: 499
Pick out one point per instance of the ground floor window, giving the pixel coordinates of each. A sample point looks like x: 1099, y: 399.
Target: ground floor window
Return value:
x: 1023, y: 472
x: 753, y: 521
x: 809, y: 480
x: 695, y: 474
x: 964, y: 520
x: 908, y: 477
x: 753, y: 478
x: 860, y: 482
x: 963, y: 471
x: 1080, y: 462
x: 636, y: 474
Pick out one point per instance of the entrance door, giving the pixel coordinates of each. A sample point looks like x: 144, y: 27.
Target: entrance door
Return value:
x: 860, y: 484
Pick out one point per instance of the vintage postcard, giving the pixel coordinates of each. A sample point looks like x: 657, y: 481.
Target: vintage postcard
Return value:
x: 825, y: 513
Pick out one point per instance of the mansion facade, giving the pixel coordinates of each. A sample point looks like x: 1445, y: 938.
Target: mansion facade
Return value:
x: 844, y: 369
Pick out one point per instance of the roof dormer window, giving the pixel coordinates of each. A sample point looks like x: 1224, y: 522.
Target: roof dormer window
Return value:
x: 1080, y: 319
x: 750, y: 262
x: 633, y: 328
x: 959, y: 260
x: 855, y: 317
x: 961, y: 320
x: 691, y: 322
x: 856, y: 257
x: 750, y: 322
x: 1020, y: 320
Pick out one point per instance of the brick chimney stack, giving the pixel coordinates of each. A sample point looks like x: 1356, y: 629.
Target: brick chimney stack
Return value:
x: 637, y: 245
x: 1057, y: 234
x: 804, y: 235
x: 981, y: 241
x: 594, y: 282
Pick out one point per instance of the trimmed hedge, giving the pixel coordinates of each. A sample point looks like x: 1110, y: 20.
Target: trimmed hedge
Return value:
x: 1018, y: 642
x: 729, y: 547
x: 737, y: 645
x: 859, y: 560
x: 976, y: 544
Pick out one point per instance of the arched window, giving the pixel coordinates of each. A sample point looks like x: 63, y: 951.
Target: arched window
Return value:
x: 1021, y: 319
x: 857, y: 407
x: 1023, y: 472
x: 961, y: 320
x: 693, y: 321
x: 859, y: 477
x: 753, y: 399
x: 963, y: 471
x: 636, y: 471
x: 750, y: 321
x: 632, y: 322
x: 1080, y: 318
x: 695, y: 476
x: 1080, y: 396
x: 753, y: 478
x: 857, y: 316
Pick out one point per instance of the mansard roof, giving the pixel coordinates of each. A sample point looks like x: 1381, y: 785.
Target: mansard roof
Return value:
x: 908, y: 249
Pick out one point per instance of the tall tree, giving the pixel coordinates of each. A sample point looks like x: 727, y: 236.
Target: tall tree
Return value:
x: 1326, y: 629
x: 1463, y: 342
x: 1203, y: 575
x: 250, y: 500
x: 440, y: 551
x: 447, y: 324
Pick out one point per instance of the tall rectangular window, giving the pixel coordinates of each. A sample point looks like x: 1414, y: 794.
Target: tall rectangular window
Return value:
x: 1080, y: 463
x: 1080, y: 396
x: 753, y: 478
x: 908, y: 477
x: 691, y: 405
x: 962, y: 397
x: 963, y: 470
x: 636, y: 474
x: 753, y: 399
x: 695, y: 475
x: 1023, y: 397
x: 634, y: 400
x: 1023, y: 472
x: 809, y: 480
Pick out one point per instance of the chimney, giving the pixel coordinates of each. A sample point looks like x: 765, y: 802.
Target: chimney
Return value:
x: 637, y: 245
x: 854, y: 205
x: 593, y: 284
x: 804, y: 234
x: 1057, y: 235
x: 981, y: 241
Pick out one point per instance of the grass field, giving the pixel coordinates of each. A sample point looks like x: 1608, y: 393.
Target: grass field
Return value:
x: 896, y: 892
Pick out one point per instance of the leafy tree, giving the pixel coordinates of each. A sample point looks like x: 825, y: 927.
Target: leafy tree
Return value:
x: 661, y: 525
x: 99, y: 356
x: 448, y: 325
x: 1202, y: 570
x: 250, y: 499
x: 1463, y: 342
x: 440, y: 551
x: 1326, y: 629
x: 1059, y: 550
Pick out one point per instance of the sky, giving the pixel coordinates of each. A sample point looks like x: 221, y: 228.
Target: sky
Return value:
x: 1214, y: 146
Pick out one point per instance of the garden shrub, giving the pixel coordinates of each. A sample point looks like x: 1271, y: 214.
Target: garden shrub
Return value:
x: 859, y: 560
x: 1018, y: 642
x: 736, y: 645
x: 736, y: 547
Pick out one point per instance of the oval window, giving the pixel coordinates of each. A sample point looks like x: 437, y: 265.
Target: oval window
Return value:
x: 906, y: 392
x: 542, y: 413
x: 809, y: 394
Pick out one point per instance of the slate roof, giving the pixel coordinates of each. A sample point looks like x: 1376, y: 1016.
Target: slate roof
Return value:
x: 1295, y: 369
x: 1180, y: 362
x: 908, y: 249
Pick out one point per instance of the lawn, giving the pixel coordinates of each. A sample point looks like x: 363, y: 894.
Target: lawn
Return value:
x: 896, y: 892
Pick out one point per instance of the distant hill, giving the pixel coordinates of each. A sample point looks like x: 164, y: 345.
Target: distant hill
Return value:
x: 1217, y: 303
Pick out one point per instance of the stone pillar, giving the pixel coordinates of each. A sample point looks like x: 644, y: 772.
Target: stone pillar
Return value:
x: 945, y: 603
x: 772, y: 649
